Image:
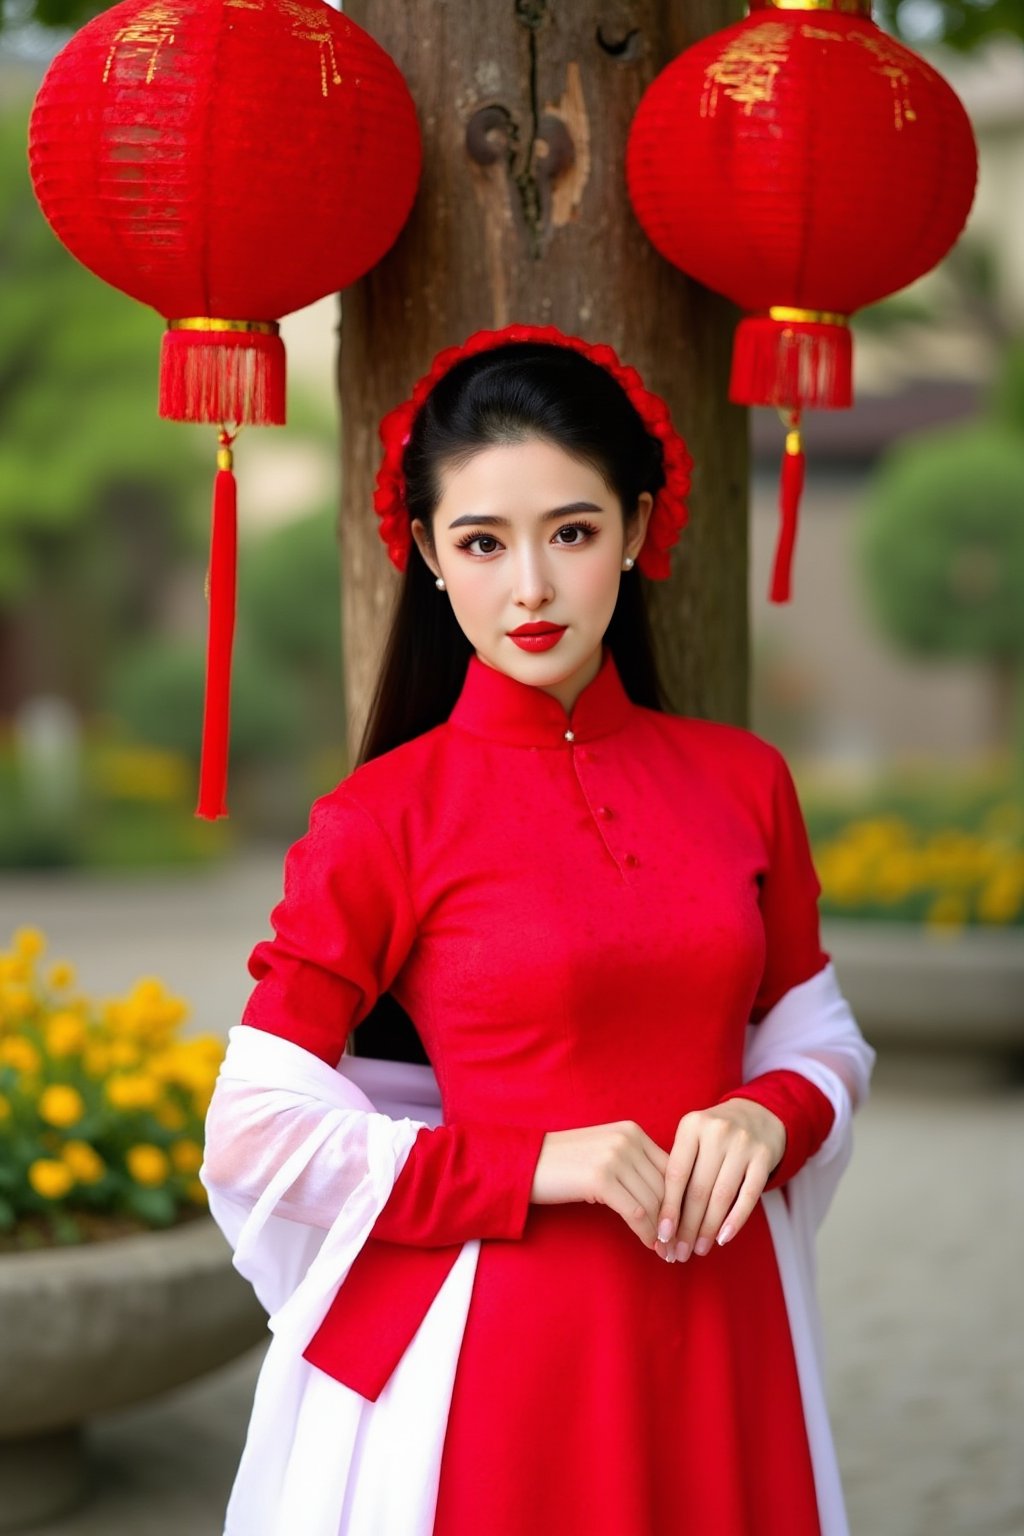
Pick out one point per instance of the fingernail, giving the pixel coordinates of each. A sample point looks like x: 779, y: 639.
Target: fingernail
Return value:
x: 670, y: 1256
x: 725, y: 1234
x: 682, y: 1251
x: 665, y: 1230
x: 702, y: 1245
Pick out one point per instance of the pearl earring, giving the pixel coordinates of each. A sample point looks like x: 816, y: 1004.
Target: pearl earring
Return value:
x: 439, y: 583
x: 627, y: 564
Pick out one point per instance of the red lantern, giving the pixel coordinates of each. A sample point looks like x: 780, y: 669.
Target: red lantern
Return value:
x: 804, y: 164
x: 226, y: 162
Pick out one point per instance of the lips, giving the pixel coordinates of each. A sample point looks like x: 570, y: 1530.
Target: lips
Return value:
x: 537, y: 629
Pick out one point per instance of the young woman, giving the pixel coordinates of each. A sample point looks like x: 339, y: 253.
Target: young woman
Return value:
x: 572, y: 910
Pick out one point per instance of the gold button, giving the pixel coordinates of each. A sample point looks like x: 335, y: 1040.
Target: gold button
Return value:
x: 570, y: 735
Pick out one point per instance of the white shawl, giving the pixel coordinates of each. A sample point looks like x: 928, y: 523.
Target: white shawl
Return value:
x: 301, y: 1157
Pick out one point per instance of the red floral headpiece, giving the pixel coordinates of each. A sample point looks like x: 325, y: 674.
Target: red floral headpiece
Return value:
x: 668, y: 515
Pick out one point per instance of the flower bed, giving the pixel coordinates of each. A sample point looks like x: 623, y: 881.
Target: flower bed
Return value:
x: 937, y: 856
x: 102, y: 1105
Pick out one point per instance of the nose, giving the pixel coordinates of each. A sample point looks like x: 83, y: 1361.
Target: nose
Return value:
x: 533, y: 586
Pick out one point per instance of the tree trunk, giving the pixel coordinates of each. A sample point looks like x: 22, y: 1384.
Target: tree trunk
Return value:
x: 522, y: 215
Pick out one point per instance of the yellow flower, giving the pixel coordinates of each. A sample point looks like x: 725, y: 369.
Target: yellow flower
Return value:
x: 133, y: 1090
x: 28, y: 942
x: 65, y: 1032
x: 84, y: 1161
x: 147, y: 991
x: 61, y: 975
x: 189, y: 1064
x: 50, y: 1177
x: 147, y: 1164
x: 14, y: 968
x: 1001, y: 898
x: 18, y: 1002
x: 19, y: 1053
x: 895, y: 876
x: 209, y: 1048
x: 841, y: 869
x: 201, y: 1100
x: 111, y: 1010
x: 947, y: 911
x: 61, y: 1105
x: 124, y: 1053
x: 96, y: 1060
x: 171, y: 1116
x: 196, y: 1191
x: 187, y: 1156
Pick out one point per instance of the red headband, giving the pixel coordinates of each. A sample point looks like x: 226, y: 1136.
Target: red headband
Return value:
x: 668, y: 515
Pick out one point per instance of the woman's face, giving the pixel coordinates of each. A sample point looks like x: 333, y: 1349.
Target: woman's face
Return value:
x: 525, y: 534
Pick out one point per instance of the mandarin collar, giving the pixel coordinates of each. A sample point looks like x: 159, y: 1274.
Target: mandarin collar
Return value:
x: 493, y: 704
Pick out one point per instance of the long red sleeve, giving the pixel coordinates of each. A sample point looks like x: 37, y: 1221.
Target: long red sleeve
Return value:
x: 343, y: 929
x: 790, y: 889
x: 803, y: 1109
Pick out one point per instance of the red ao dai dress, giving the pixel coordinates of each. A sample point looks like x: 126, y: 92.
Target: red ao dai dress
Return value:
x: 581, y: 914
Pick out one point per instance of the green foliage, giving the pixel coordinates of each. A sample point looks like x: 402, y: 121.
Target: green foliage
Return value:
x: 289, y: 588
x: 79, y: 430
x: 961, y: 24
x: 941, y: 542
x: 126, y: 814
x: 1006, y: 404
x: 157, y: 691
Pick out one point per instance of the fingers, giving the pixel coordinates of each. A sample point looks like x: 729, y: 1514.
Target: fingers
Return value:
x: 679, y: 1168
x: 711, y: 1190
x: 639, y: 1203
x: 629, y: 1179
x: 716, y: 1173
x: 750, y: 1192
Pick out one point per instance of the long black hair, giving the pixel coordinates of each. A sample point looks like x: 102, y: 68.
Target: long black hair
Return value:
x: 507, y: 394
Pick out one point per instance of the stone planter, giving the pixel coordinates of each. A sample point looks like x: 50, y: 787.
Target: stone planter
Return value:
x: 94, y: 1327
x: 910, y: 986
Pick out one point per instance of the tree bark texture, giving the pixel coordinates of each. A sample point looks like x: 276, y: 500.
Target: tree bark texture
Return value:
x: 522, y: 216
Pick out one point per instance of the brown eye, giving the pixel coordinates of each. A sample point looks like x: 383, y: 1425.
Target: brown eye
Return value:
x: 473, y: 538
x: 585, y: 528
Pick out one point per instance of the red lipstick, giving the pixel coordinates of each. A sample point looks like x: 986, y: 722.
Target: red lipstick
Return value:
x: 539, y: 636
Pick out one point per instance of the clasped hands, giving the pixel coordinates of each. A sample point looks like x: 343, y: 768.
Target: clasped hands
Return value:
x: 720, y: 1161
x: 676, y: 1202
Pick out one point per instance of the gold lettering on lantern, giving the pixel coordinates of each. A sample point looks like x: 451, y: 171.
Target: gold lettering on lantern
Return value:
x: 151, y: 28
x: 308, y: 26
x: 892, y: 65
x: 747, y: 69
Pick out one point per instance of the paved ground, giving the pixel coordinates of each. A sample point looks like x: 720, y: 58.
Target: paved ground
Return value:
x: 920, y: 1259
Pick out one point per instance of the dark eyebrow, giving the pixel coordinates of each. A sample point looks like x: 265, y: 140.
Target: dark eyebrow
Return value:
x: 546, y: 517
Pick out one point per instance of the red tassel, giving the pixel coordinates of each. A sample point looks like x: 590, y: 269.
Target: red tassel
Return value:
x: 213, y: 767
x: 790, y: 490
x: 791, y: 362
x: 222, y: 375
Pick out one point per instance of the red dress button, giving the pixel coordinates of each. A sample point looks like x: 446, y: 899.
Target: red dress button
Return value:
x: 604, y: 811
x: 632, y: 860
